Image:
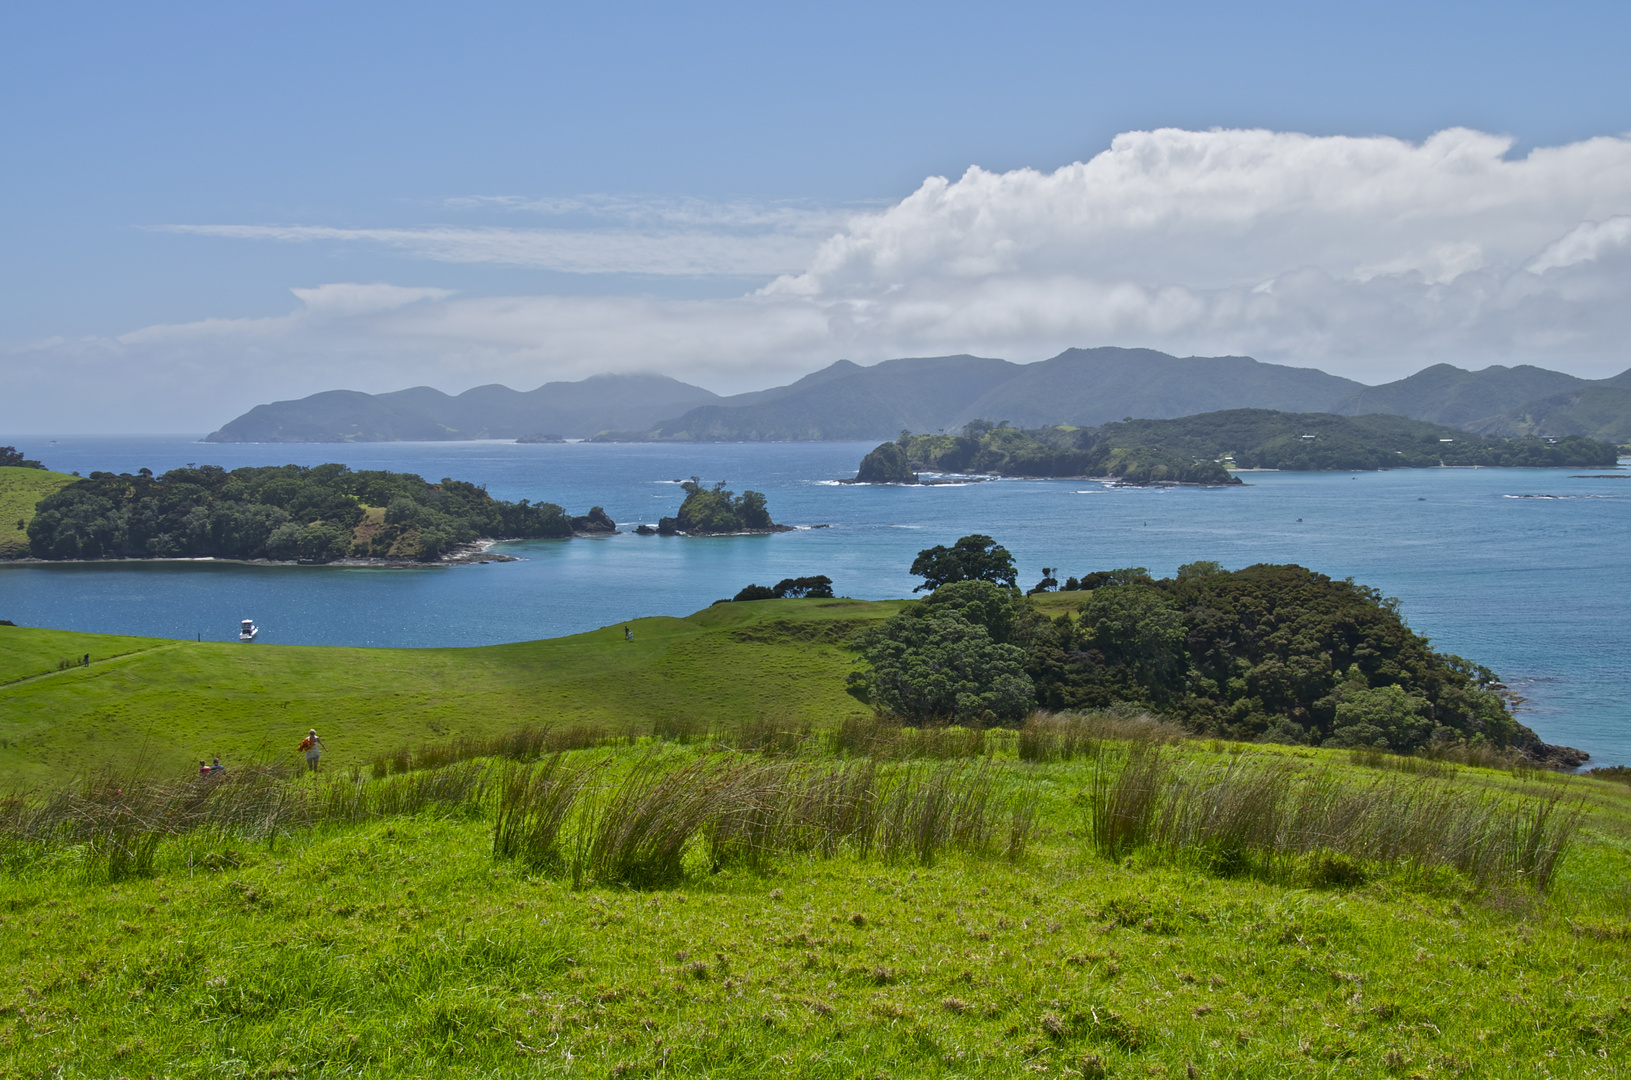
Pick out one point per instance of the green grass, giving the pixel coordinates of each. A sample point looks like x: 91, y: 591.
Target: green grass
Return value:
x: 20, y: 490
x: 400, y: 946
x: 172, y: 703
x: 388, y: 940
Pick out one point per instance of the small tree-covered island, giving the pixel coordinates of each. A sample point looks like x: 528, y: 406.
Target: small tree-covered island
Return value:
x: 716, y: 512
x: 1202, y: 449
x: 313, y: 514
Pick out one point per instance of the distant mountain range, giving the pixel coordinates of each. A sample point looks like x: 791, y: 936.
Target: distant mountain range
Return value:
x: 846, y: 401
x: 574, y: 410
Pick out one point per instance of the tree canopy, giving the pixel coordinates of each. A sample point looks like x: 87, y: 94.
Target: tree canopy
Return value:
x: 10, y: 455
x: 931, y: 664
x: 1269, y: 652
x: 1000, y: 450
x: 976, y: 557
x: 311, y: 514
x: 1199, y: 449
x: 816, y: 587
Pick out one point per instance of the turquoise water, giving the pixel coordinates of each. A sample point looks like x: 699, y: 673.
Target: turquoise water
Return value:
x: 1518, y: 569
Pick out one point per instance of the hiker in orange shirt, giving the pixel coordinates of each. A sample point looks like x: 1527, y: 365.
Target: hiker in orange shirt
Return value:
x: 313, y: 748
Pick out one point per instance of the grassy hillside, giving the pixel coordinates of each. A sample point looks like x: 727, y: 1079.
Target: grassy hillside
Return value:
x: 1443, y: 394
x: 1597, y: 411
x: 175, y: 702
x: 398, y: 945
x: 20, y: 489
x: 1084, y: 898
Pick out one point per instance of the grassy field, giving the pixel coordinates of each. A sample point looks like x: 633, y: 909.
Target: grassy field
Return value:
x: 400, y: 945
x: 20, y: 489
x: 174, y: 702
x: 986, y: 905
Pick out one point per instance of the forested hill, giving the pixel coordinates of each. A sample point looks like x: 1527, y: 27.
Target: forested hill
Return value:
x: 1270, y: 653
x: 1079, y: 386
x: 1089, y: 387
x: 1200, y: 449
x: 421, y: 414
x: 1263, y: 439
x: 998, y: 450
x: 284, y: 512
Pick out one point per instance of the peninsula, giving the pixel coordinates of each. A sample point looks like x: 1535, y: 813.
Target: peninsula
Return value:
x: 1202, y: 449
x: 290, y: 513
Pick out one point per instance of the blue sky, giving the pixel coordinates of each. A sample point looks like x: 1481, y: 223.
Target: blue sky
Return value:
x: 424, y: 174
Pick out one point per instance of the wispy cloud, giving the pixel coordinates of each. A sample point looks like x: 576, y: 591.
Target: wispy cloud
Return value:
x: 603, y: 251
x: 1586, y: 242
x: 798, y: 216
x: 1369, y: 257
x: 601, y: 234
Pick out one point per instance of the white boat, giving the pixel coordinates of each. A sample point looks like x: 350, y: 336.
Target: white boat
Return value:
x: 248, y: 630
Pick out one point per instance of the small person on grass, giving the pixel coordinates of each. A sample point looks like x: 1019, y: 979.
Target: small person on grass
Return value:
x: 216, y: 766
x: 203, y: 768
x: 312, y: 747
x: 628, y: 633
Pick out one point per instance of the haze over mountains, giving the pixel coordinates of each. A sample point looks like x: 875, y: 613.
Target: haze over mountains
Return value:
x: 846, y: 401
x: 574, y: 410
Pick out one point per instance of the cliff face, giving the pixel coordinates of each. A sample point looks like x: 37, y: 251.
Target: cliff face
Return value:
x: 886, y: 465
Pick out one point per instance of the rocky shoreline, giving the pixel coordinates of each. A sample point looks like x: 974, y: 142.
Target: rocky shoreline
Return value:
x: 653, y: 530
x: 980, y: 478
x: 478, y: 552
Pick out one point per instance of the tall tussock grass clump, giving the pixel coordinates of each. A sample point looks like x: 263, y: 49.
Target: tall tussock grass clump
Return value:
x: 648, y: 826
x: 1050, y: 736
x: 885, y: 737
x: 638, y: 833
x: 768, y: 735
x: 121, y: 819
x: 643, y: 825
x: 1265, y: 814
x: 532, y: 808
x: 527, y: 743
x: 1405, y: 763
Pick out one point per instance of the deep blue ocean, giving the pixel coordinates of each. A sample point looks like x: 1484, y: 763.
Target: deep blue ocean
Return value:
x: 1518, y: 569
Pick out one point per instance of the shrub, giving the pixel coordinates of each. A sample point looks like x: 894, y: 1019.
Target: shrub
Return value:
x: 936, y: 666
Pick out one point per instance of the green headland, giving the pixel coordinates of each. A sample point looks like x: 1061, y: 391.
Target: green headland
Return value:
x: 1201, y: 449
x: 20, y: 490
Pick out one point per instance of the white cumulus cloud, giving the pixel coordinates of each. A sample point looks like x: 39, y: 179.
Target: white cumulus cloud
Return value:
x: 1366, y: 256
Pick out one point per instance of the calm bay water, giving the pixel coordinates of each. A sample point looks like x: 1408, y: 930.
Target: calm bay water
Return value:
x: 1518, y: 569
